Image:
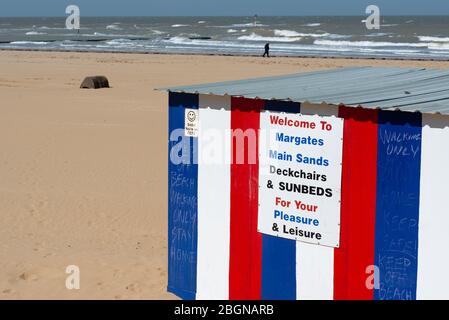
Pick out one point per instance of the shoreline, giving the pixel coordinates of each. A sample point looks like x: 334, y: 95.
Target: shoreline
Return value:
x: 157, y: 53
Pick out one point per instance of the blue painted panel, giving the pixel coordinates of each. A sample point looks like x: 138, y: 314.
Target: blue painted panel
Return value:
x: 182, y: 200
x: 397, y: 205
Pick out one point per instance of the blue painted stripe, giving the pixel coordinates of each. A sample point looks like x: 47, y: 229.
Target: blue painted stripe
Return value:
x: 182, y: 203
x: 397, y: 204
x: 278, y: 268
x: 278, y: 254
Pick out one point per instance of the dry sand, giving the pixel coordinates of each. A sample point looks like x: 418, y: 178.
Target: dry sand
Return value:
x: 83, y: 173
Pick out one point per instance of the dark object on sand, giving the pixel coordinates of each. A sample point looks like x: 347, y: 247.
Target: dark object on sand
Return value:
x: 95, y: 82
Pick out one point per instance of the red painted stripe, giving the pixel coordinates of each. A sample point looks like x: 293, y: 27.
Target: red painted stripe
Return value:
x: 245, y: 263
x: 358, y: 204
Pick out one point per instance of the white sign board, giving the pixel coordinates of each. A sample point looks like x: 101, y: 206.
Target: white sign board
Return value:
x: 191, y: 122
x: 300, y: 177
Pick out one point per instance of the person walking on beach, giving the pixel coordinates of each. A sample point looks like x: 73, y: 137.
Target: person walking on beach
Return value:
x: 267, y: 50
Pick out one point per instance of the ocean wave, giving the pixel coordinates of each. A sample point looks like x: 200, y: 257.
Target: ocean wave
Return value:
x: 96, y: 34
x: 379, y: 34
x: 433, y: 39
x: 214, y: 45
x: 119, y: 42
x: 251, y: 24
x: 108, y: 35
x: 314, y: 24
x: 30, y: 42
x: 338, y: 36
x: 123, y: 43
x: 48, y: 28
x: 367, y: 44
x: 114, y: 27
x: 248, y: 47
x: 34, y: 33
x: 210, y: 43
x: 73, y: 44
x: 255, y: 37
x: 240, y: 25
x: 232, y: 31
x: 286, y: 33
x: 439, y: 46
x: 183, y: 44
x: 176, y: 40
x: 290, y: 48
x: 291, y: 33
x: 315, y: 35
x: 179, y: 25
x: 201, y: 22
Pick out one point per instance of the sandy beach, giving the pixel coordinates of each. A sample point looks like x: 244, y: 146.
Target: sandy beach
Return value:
x: 84, y: 172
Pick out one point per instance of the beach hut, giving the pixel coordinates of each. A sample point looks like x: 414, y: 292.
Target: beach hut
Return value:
x: 322, y: 185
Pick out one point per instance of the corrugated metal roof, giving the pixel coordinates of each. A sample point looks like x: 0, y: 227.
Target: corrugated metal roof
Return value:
x: 407, y: 89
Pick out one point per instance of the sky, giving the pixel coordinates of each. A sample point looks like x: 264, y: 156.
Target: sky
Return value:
x: 221, y: 7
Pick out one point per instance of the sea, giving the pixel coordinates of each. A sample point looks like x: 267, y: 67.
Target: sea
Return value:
x: 402, y: 37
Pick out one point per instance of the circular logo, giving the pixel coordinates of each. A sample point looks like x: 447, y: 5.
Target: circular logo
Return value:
x: 191, y: 116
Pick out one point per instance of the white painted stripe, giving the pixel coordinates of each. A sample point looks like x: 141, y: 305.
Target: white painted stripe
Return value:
x: 213, y: 198
x: 433, y: 243
x: 315, y: 264
x: 314, y: 272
